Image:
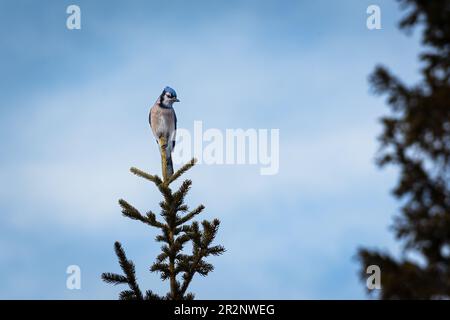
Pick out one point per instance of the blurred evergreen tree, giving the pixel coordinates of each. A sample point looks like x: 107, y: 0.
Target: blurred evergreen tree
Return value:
x: 416, y: 138
x: 176, y: 232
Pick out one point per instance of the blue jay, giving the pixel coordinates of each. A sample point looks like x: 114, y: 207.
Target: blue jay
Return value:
x: 163, y: 122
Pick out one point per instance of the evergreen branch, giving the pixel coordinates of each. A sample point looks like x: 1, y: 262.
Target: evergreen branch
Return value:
x: 114, y: 278
x: 165, y: 249
x: 165, y: 208
x: 184, y: 263
x: 196, y: 236
x: 191, y: 215
x: 127, y: 295
x: 185, y: 228
x: 131, y: 212
x: 151, y: 218
x: 128, y: 269
x: 203, y: 268
x: 189, y: 296
x: 153, y: 178
x: 161, y: 238
x: 209, y: 231
x: 200, y: 250
x: 216, y: 250
x: 182, y: 170
x: 181, y: 240
x: 150, y: 295
x: 190, y: 273
x: 167, y: 193
x: 182, y: 191
x: 161, y: 257
x: 161, y: 267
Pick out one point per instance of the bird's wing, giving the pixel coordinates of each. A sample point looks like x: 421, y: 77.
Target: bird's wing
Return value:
x: 175, y: 126
x: 150, y: 118
x: 153, y: 120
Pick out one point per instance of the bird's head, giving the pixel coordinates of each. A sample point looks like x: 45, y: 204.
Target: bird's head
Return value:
x: 168, y: 97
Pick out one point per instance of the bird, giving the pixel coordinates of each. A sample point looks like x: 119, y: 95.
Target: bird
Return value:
x: 163, y: 123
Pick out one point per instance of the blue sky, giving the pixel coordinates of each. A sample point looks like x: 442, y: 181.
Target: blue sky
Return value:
x: 73, y: 119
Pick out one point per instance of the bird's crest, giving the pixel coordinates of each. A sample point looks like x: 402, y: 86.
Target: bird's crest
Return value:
x: 170, y: 90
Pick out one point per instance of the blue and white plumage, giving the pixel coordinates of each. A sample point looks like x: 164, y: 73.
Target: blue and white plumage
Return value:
x: 163, y: 122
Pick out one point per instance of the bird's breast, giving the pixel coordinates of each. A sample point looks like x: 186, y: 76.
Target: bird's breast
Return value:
x: 164, y: 122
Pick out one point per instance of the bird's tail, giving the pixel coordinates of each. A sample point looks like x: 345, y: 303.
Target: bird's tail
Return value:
x: 169, y: 164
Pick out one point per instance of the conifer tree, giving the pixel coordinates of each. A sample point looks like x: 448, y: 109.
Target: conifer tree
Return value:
x: 416, y: 138
x: 177, y: 229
